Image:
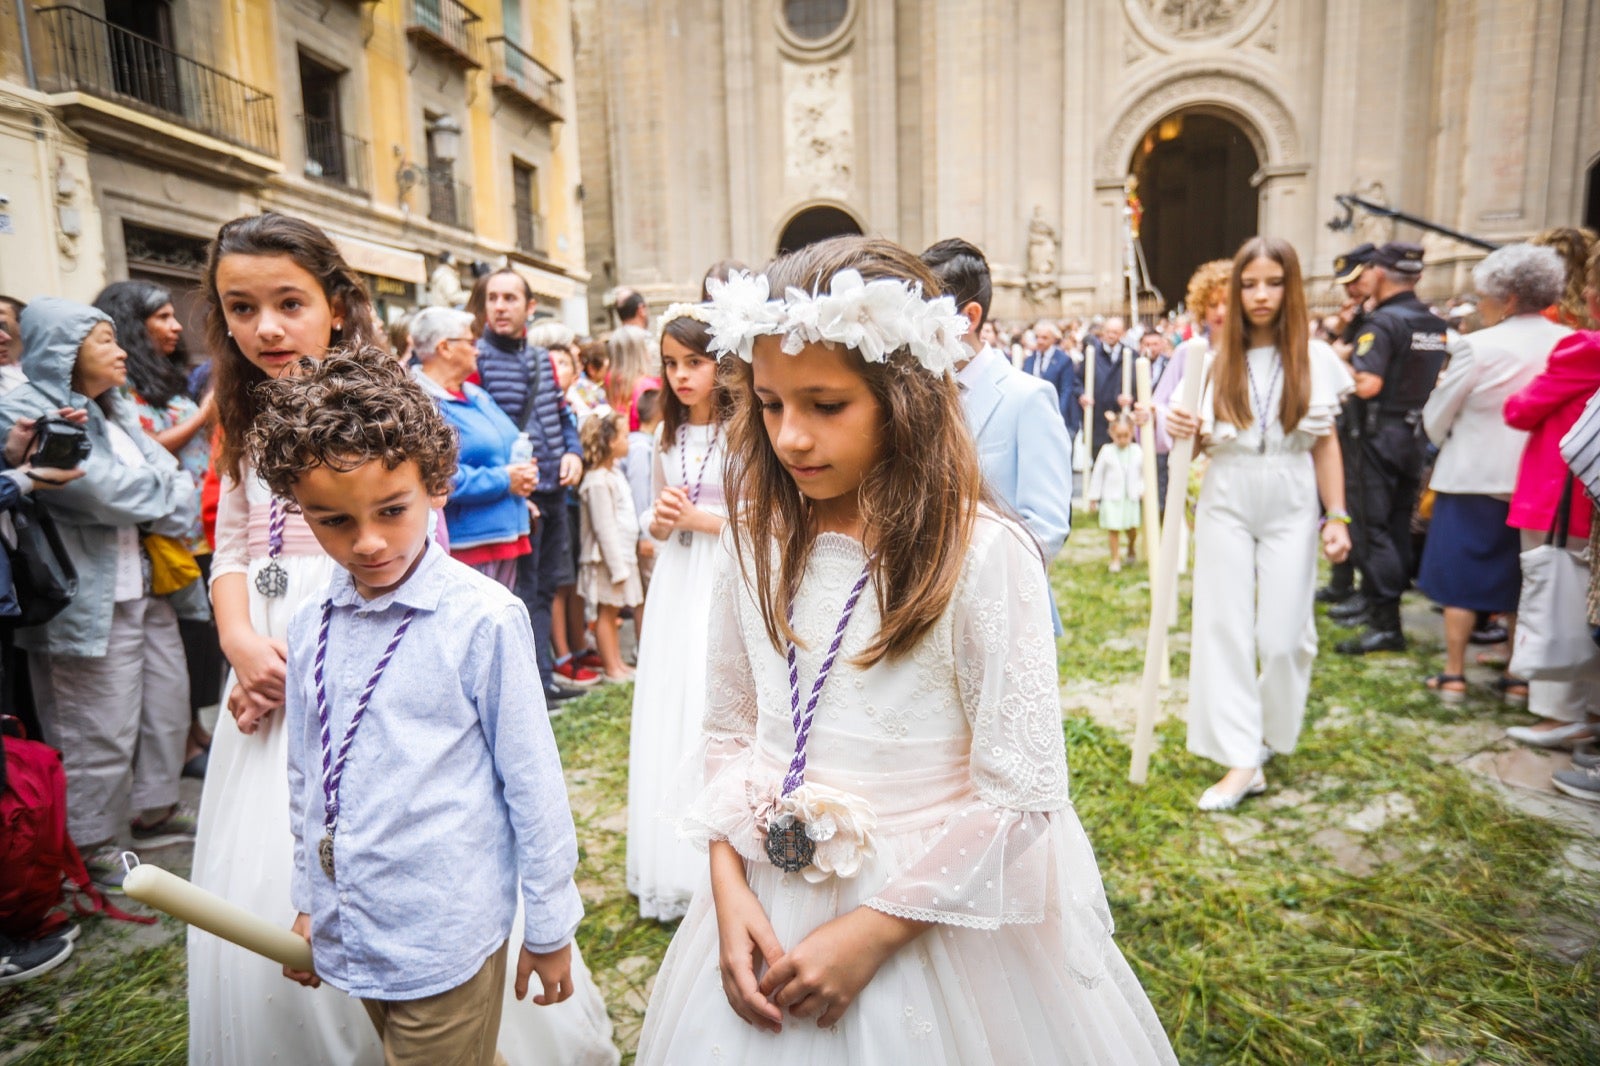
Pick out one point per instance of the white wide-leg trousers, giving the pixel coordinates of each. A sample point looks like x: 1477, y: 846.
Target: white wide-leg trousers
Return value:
x: 1255, y: 571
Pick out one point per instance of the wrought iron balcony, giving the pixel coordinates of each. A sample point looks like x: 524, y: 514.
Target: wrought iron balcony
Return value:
x: 530, y: 234
x: 447, y: 27
x: 335, y: 157
x: 87, y: 54
x: 518, y: 76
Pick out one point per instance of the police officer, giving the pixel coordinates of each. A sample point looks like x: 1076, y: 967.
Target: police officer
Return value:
x: 1349, y: 270
x: 1398, y: 352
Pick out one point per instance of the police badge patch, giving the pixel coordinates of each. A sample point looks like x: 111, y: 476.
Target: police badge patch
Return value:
x: 1364, y: 343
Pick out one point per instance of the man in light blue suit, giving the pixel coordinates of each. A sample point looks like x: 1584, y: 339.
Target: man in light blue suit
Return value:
x: 1015, y: 418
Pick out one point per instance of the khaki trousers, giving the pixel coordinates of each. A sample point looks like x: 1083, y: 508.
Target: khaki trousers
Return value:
x: 454, y: 1028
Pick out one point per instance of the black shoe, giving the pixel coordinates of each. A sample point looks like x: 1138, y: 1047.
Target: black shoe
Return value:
x: 1490, y: 634
x: 196, y: 767
x: 1354, y: 607
x: 1329, y: 594
x: 23, y: 960
x: 1373, y: 640
x: 554, y: 694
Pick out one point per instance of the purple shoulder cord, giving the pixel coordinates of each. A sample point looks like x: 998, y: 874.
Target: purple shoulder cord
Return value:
x: 802, y: 721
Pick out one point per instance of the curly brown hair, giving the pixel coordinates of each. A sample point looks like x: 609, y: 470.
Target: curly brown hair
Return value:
x: 235, y: 377
x: 599, y: 433
x: 919, y: 503
x: 1207, y: 285
x: 1575, y: 247
x: 346, y: 410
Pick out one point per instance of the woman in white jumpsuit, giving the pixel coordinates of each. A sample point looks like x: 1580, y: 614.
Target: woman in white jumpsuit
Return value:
x: 1256, y: 523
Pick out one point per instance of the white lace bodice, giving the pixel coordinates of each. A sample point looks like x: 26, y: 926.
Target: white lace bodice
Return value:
x: 960, y: 739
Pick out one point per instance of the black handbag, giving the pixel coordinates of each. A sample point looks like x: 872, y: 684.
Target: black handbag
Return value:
x: 41, y: 570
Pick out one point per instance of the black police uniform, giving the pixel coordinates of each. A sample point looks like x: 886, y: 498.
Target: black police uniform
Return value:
x: 1404, y: 343
x: 1342, y: 576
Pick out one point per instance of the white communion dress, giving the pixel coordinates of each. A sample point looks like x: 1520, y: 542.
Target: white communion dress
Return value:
x: 242, y: 1010
x: 939, y: 781
x: 669, y: 692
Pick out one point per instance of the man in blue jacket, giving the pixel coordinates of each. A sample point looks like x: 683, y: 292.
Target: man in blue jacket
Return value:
x: 1050, y: 363
x: 522, y: 381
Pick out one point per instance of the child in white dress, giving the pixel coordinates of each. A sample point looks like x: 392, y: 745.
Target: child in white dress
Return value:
x: 608, y: 553
x: 279, y: 291
x: 669, y: 694
x: 1116, y: 486
x: 896, y: 872
x: 1255, y: 526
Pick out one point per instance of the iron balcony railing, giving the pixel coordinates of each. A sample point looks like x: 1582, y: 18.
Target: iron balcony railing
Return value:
x: 517, y: 71
x: 88, y: 54
x: 447, y: 25
x: 449, y: 200
x: 334, y: 156
x: 530, y: 233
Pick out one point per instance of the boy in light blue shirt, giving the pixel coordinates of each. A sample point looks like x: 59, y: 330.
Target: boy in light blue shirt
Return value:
x: 424, y: 780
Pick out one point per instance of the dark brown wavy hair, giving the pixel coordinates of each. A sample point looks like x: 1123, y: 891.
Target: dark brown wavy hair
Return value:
x: 346, y: 410
x: 1230, y: 373
x: 695, y: 336
x: 235, y: 377
x: 599, y: 434
x: 919, y: 504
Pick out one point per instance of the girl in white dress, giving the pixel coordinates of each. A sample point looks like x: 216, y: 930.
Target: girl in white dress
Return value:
x: 669, y: 693
x: 896, y: 872
x: 1256, y: 521
x: 279, y: 290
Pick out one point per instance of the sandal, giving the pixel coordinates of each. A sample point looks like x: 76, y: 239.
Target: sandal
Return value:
x: 1514, y: 690
x: 1437, y: 684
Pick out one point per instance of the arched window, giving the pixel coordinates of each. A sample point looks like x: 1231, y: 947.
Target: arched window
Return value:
x: 812, y: 20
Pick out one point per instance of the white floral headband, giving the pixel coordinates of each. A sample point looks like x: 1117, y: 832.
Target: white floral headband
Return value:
x: 698, y: 312
x: 875, y: 318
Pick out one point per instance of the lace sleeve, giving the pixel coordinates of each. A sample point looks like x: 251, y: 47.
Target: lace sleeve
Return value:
x: 993, y: 862
x: 721, y: 810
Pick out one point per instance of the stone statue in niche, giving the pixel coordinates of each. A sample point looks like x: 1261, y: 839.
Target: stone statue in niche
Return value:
x: 1042, y: 248
x: 1195, y: 18
x: 1369, y: 227
x: 444, y: 284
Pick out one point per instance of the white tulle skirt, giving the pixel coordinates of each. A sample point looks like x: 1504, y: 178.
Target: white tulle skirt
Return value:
x: 242, y: 1010
x: 669, y: 697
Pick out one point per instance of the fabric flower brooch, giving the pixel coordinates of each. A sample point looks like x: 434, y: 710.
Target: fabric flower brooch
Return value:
x: 875, y: 318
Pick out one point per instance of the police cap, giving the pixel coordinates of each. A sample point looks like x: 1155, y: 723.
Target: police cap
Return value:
x: 1348, y: 267
x: 1400, y: 257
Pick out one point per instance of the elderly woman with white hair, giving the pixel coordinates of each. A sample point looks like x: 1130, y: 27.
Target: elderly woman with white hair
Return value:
x: 487, y: 514
x: 1471, y: 561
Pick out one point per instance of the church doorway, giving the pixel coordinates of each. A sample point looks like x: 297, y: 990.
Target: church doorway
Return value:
x: 1193, y: 170
x: 816, y: 224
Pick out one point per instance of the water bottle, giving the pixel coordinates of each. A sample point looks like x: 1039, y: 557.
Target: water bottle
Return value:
x: 521, y: 450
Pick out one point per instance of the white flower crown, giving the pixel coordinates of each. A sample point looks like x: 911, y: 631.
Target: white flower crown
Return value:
x: 698, y: 312
x: 876, y: 318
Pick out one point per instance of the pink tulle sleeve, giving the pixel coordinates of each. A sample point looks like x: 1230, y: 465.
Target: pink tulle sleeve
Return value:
x: 995, y: 861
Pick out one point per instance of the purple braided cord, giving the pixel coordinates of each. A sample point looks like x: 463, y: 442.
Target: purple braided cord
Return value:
x: 683, y: 460
x: 802, y: 723
x: 279, y: 517
x: 333, y: 768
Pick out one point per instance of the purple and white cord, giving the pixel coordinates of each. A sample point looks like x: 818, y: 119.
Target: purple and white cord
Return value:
x: 683, y: 460
x: 278, y: 517
x: 333, y: 767
x: 802, y: 721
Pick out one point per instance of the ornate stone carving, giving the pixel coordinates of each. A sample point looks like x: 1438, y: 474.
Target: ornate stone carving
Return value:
x: 444, y: 285
x: 1196, y: 18
x: 1042, y: 248
x: 1267, y: 39
x: 819, y: 131
x: 1237, y: 91
x: 1369, y: 227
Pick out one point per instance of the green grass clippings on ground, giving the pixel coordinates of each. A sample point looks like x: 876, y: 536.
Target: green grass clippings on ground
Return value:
x: 1379, y: 905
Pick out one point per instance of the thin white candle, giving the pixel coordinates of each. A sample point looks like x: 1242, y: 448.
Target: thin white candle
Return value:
x: 155, y: 887
x: 1127, y: 373
x: 1150, y: 497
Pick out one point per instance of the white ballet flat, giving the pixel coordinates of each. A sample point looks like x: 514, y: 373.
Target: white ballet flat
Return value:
x: 1214, y: 799
x: 1560, y: 737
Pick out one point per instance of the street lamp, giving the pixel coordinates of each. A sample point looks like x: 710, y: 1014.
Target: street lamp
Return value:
x: 444, y: 148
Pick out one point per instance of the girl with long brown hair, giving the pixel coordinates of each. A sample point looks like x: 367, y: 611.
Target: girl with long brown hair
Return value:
x: 882, y: 716
x: 685, y: 523
x: 1266, y: 417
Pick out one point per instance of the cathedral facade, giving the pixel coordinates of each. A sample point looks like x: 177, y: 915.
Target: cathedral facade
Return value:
x: 1049, y: 132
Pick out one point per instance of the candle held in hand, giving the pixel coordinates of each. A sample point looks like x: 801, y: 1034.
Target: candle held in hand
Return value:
x: 155, y: 887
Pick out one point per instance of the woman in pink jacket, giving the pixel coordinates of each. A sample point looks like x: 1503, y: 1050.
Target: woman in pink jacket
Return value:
x: 1547, y: 407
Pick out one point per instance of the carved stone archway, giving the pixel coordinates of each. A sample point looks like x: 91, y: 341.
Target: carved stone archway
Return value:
x: 814, y: 220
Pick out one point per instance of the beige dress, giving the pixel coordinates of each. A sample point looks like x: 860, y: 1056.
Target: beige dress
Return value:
x: 608, y: 554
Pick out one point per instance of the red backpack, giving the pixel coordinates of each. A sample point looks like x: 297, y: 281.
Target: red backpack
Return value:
x: 37, y: 856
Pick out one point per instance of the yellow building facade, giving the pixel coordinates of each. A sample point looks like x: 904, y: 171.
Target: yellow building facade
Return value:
x: 428, y: 137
